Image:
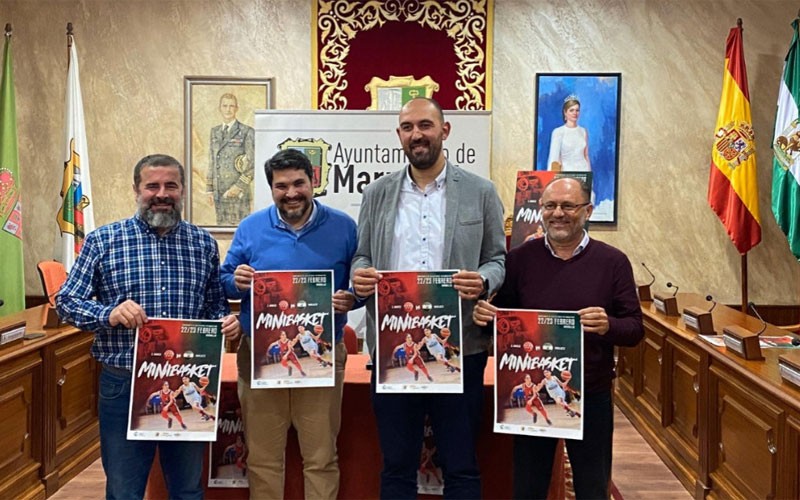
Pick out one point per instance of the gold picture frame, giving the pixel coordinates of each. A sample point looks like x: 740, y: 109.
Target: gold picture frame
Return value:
x: 219, y: 160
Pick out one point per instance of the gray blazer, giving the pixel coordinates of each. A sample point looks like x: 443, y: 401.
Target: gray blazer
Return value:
x: 474, y: 238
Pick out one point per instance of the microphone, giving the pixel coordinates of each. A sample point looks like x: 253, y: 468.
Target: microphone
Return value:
x: 752, y: 307
x: 670, y: 285
x: 709, y: 298
x: 652, y: 276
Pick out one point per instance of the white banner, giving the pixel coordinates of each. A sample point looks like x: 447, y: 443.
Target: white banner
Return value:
x: 350, y: 149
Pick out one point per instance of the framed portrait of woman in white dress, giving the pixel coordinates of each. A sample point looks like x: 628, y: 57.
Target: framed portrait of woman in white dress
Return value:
x: 577, y: 130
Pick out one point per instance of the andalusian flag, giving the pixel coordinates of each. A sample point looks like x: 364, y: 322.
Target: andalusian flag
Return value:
x: 12, y: 278
x: 76, y: 215
x: 786, y: 148
x: 733, y: 184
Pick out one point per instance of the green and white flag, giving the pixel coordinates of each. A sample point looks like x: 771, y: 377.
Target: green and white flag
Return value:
x: 786, y: 148
x: 12, y: 278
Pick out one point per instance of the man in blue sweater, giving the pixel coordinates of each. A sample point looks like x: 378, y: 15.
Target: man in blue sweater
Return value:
x: 296, y: 233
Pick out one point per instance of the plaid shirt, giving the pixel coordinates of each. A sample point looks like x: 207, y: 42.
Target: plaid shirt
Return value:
x: 170, y: 276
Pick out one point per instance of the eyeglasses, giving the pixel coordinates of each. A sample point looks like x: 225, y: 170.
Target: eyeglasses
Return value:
x: 567, y: 208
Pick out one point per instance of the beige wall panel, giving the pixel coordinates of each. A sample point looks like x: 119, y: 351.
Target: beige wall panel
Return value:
x: 134, y: 55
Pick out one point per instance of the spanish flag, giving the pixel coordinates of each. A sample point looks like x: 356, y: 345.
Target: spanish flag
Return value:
x: 733, y: 183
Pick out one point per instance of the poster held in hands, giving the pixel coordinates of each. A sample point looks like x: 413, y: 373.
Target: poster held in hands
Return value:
x: 419, y: 333
x: 292, y: 329
x: 175, y: 380
x: 538, y: 373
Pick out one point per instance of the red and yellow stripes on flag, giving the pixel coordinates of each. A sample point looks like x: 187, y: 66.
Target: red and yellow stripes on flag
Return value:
x: 70, y: 216
x: 733, y: 183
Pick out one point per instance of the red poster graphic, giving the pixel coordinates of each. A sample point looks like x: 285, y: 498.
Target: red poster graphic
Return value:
x: 419, y: 332
x: 293, y: 338
x: 175, y: 380
x: 430, y: 478
x: 538, y: 373
x: 227, y: 456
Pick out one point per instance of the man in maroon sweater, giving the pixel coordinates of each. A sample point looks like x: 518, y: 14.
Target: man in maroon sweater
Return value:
x: 568, y: 271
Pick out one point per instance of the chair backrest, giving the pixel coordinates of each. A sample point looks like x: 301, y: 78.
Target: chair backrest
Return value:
x: 53, y: 276
x: 350, y: 340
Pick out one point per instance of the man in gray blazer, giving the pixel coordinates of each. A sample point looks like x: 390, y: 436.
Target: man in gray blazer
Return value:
x: 229, y: 178
x: 431, y: 215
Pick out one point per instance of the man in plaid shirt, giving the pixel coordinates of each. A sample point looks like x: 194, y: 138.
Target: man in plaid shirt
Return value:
x: 153, y: 264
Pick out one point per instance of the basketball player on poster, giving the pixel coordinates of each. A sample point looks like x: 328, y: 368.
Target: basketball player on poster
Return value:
x: 409, y: 350
x: 287, y: 353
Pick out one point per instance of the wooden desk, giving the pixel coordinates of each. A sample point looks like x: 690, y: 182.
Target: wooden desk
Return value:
x: 727, y: 427
x: 48, y: 406
x: 359, y: 454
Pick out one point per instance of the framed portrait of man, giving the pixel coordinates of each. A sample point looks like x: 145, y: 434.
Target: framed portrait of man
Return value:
x: 220, y: 147
x: 577, y: 130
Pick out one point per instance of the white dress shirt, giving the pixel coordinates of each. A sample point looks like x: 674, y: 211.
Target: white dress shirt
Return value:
x: 418, y: 243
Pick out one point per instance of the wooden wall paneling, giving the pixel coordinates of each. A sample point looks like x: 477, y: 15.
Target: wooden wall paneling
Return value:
x: 628, y: 365
x: 74, y: 376
x: 791, y: 458
x: 703, y: 423
x: 21, y: 407
x: 48, y: 405
x: 746, y: 440
x: 652, y: 360
x: 680, y: 414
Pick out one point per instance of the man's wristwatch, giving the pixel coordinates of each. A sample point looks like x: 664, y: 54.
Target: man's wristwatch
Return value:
x: 485, y: 293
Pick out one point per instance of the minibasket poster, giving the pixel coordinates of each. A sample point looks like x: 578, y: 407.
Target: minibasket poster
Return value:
x: 293, y: 341
x: 419, y: 332
x: 227, y: 456
x: 538, y: 373
x: 175, y: 380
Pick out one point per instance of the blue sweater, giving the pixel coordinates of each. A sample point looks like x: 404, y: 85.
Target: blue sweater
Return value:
x: 263, y: 242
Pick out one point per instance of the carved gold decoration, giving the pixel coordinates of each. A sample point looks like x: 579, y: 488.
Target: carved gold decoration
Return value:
x: 464, y: 21
x: 397, y: 82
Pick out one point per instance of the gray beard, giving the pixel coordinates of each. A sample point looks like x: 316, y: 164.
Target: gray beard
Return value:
x: 162, y: 220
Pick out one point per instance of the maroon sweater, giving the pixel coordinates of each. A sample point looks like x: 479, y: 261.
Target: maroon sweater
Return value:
x: 600, y: 276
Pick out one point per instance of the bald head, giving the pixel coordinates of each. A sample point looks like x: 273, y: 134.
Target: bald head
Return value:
x: 421, y: 131
x: 570, y: 184
x: 423, y: 103
x: 566, y: 206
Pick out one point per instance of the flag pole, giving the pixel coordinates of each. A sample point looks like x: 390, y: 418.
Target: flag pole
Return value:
x: 744, y: 283
x: 69, y: 40
x: 744, y: 255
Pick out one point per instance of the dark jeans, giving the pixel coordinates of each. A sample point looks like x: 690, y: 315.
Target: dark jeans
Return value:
x: 127, y: 463
x: 590, y: 457
x: 456, y: 423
